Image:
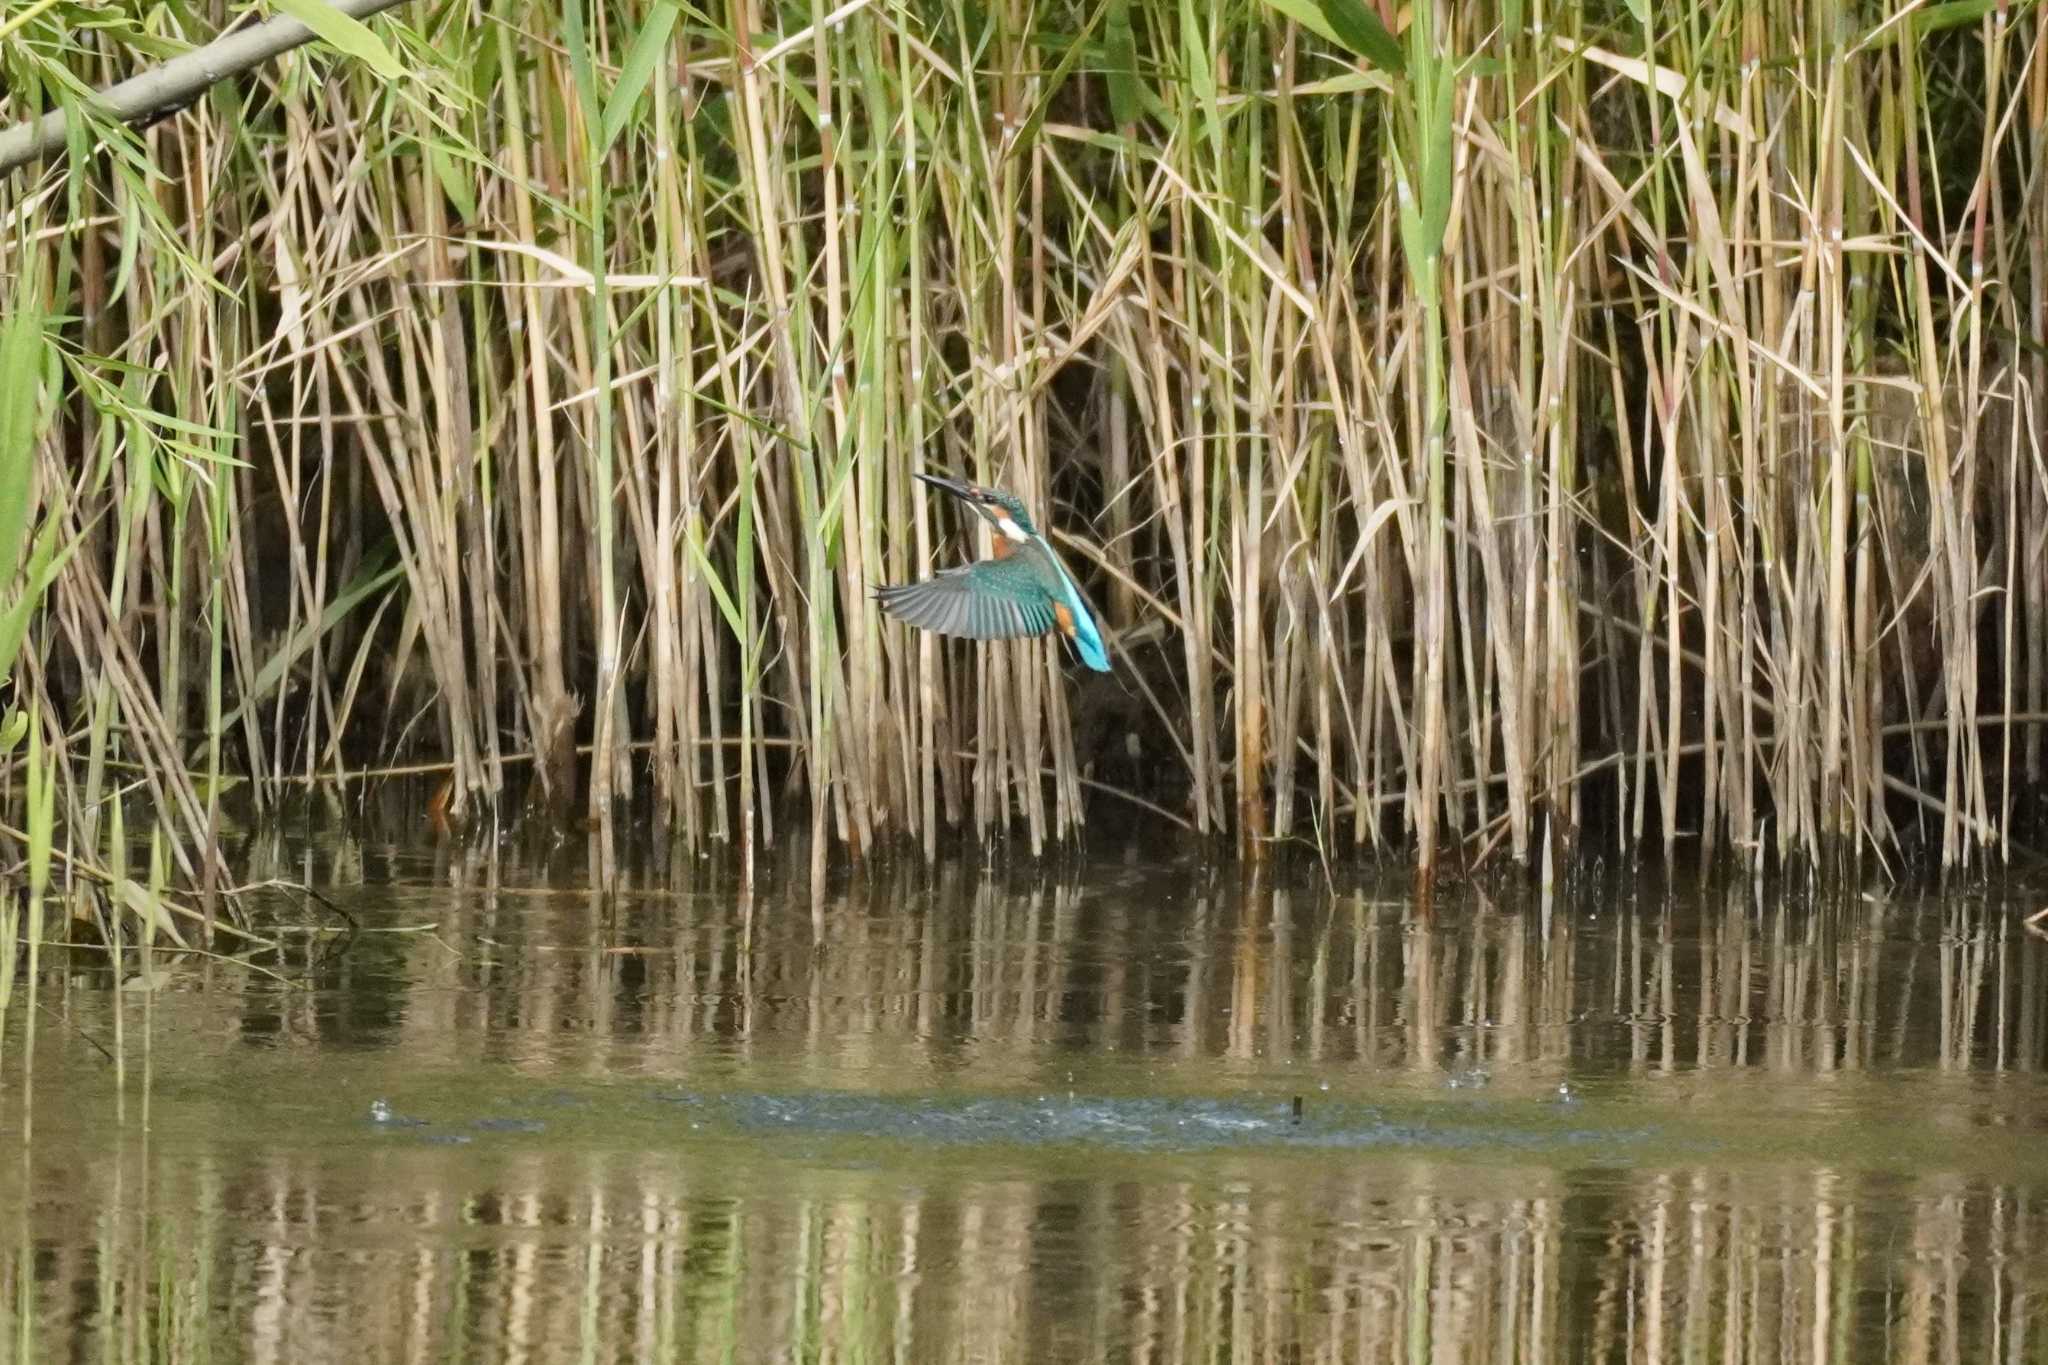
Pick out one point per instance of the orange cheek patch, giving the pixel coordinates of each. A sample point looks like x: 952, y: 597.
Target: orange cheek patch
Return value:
x: 1064, y: 614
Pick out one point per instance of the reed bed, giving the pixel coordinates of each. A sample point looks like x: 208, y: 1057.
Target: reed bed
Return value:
x: 1489, y: 429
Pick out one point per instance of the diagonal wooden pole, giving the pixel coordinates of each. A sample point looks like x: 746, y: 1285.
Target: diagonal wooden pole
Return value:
x: 177, y: 82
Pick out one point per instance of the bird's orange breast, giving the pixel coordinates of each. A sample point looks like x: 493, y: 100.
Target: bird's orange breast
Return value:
x: 1064, y: 614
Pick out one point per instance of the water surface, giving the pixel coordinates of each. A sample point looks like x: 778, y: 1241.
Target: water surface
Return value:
x: 1114, y: 1106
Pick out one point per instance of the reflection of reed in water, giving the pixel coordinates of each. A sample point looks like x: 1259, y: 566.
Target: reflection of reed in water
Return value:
x: 1724, y: 1029
x: 640, y: 1258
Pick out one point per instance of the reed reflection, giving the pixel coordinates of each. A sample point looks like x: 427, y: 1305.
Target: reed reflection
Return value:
x: 633, y: 1259
x: 1636, y: 1127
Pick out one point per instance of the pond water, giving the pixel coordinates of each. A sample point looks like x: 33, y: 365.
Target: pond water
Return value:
x: 1118, y: 1105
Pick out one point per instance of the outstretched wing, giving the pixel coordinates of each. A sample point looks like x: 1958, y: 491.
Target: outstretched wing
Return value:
x: 995, y: 599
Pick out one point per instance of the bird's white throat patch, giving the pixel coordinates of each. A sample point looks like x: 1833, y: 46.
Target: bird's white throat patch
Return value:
x: 1010, y: 529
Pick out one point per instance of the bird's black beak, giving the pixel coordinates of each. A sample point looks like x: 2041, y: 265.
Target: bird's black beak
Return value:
x: 963, y: 491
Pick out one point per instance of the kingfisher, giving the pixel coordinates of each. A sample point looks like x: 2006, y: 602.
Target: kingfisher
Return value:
x: 1023, y: 589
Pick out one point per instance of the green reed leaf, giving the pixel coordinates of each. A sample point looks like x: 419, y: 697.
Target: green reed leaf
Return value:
x: 1126, y: 94
x: 641, y: 59
x: 347, y: 35
x: 21, y: 373
x: 44, y: 563
x: 1359, y: 29
x: 376, y: 576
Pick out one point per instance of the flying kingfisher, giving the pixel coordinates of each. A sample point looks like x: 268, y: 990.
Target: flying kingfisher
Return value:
x: 1023, y: 590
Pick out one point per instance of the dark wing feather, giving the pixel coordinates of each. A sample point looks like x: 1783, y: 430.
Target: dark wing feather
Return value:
x: 995, y: 599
